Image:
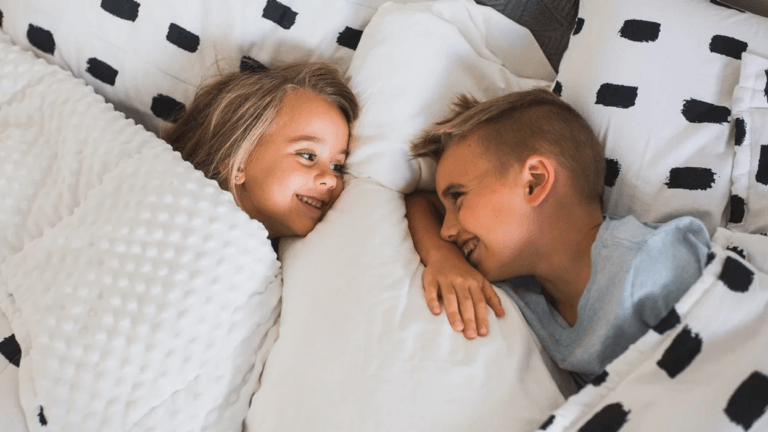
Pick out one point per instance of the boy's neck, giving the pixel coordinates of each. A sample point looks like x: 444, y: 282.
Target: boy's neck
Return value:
x: 565, y: 272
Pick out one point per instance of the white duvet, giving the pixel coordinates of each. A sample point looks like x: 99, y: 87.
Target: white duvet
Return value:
x: 141, y: 296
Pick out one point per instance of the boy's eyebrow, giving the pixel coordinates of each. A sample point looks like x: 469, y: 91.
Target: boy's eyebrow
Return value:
x: 451, y: 188
x: 316, y: 140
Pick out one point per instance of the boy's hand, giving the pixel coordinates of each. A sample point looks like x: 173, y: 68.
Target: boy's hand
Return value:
x: 465, y: 293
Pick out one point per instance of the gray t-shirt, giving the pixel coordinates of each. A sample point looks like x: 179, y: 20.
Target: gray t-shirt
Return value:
x: 639, y: 271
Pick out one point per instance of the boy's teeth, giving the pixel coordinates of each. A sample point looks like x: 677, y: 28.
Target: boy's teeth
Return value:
x: 311, y: 202
x: 467, y: 249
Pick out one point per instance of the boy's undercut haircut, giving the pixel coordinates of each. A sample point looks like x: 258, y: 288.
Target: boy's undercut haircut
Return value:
x: 518, y: 125
x: 229, y: 115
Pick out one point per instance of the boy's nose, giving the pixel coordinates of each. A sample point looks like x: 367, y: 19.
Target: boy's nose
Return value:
x: 450, y: 228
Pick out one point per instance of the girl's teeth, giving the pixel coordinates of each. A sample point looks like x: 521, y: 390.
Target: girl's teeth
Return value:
x: 310, y: 202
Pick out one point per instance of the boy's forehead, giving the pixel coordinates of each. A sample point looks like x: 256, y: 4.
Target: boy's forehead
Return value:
x: 462, y: 159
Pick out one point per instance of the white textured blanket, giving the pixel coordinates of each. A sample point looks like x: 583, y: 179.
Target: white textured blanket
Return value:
x: 704, y: 367
x: 141, y: 296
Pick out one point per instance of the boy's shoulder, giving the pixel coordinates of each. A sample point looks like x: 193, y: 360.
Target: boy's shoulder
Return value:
x: 627, y: 229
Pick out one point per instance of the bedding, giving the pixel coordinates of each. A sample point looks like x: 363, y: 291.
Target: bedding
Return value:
x: 358, y: 349
x: 749, y: 197
x: 655, y: 80
x: 550, y: 21
x: 140, y: 296
x: 11, y: 413
x: 355, y: 334
x: 411, y: 63
x: 148, y: 57
x: 703, y: 367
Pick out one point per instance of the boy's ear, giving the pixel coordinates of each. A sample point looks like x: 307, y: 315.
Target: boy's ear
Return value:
x: 538, y: 178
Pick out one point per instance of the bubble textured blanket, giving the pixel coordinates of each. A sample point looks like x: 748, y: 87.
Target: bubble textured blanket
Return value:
x: 141, y: 296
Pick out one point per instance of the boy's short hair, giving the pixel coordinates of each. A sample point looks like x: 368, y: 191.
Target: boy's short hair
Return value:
x: 518, y: 125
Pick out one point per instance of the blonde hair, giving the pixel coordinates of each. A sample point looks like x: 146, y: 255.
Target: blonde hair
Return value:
x: 518, y: 125
x: 229, y: 115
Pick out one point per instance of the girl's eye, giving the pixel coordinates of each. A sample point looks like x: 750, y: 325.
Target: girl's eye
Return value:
x: 456, y: 195
x: 339, y: 168
x: 308, y: 156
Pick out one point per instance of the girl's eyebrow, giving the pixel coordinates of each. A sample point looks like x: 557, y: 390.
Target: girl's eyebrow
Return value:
x: 315, y: 140
x: 305, y: 138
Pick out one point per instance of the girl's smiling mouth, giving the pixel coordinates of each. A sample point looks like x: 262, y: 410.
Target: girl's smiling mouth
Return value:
x: 314, y: 205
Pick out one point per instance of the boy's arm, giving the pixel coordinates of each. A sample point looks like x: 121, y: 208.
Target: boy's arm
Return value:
x: 465, y: 292
x: 425, y: 212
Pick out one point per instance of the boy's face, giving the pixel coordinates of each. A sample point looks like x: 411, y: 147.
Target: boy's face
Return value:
x: 486, y: 213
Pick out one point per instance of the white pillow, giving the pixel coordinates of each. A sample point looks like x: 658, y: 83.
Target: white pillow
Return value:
x: 148, y: 57
x: 749, y: 202
x: 412, y: 62
x: 360, y: 351
x: 358, y: 347
x: 655, y: 80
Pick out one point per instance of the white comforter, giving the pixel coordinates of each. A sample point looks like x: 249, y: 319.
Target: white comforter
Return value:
x: 704, y: 367
x: 141, y: 296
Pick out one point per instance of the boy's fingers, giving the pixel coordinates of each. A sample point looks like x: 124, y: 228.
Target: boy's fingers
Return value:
x: 481, y: 312
x: 452, y: 308
x: 467, y: 307
x: 430, y: 293
x: 493, y: 299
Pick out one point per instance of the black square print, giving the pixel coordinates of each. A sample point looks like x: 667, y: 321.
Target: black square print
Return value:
x: 124, y: 9
x: 10, y: 349
x: 167, y: 108
x: 640, y: 30
x: 691, y: 178
x: 616, y: 95
x: 749, y: 402
x: 279, y: 14
x: 101, y: 71
x: 349, y: 38
x: 683, y: 350
x: 182, y: 38
x: 610, y: 418
x: 41, y: 39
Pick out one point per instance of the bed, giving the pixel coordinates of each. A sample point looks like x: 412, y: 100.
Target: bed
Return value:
x: 135, y: 295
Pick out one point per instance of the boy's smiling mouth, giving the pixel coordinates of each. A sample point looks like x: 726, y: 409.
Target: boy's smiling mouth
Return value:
x: 469, y: 247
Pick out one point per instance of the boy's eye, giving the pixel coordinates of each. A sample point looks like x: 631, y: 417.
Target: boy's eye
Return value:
x: 308, y: 156
x: 455, y: 195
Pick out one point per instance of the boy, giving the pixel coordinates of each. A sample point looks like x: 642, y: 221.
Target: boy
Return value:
x: 520, y: 185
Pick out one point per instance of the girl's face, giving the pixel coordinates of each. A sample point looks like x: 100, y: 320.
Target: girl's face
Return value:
x: 294, y: 174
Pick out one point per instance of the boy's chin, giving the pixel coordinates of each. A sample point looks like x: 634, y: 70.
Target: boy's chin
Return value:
x: 487, y: 273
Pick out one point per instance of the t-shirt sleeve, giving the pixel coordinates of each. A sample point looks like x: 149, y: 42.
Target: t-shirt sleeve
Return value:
x: 670, y: 262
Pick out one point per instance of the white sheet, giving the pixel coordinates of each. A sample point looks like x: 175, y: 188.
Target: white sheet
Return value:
x: 142, y: 297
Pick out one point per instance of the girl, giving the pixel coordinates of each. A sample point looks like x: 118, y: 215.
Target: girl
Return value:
x: 277, y: 139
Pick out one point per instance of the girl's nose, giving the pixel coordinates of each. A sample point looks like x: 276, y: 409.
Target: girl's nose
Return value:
x: 327, y: 178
